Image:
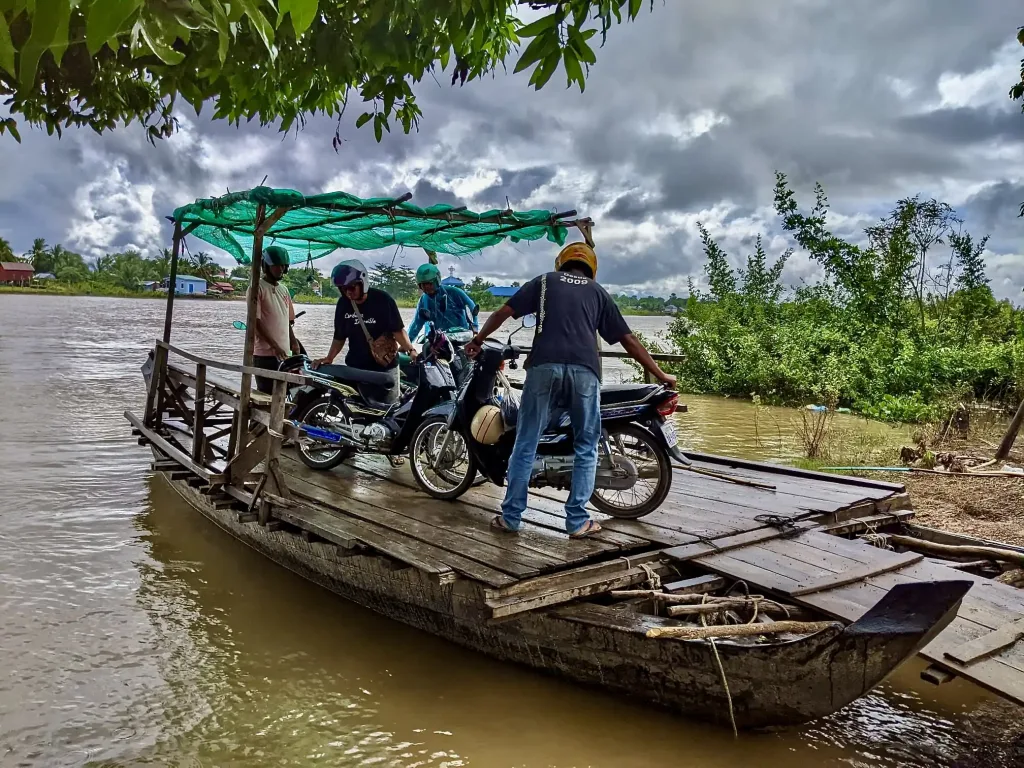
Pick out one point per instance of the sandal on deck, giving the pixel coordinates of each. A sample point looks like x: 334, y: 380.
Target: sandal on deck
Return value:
x: 589, y: 527
x: 499, y: 523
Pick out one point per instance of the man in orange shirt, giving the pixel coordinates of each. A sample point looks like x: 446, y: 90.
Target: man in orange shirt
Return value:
x: 275, y: 315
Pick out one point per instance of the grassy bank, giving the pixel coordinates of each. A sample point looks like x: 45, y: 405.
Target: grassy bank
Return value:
x: 986, y: 507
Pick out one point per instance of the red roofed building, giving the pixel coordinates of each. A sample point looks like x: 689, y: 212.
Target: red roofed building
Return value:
x: 16, y: 272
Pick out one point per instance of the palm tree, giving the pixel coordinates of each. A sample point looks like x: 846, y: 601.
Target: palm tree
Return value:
x: 203, y: 265
x: 161, y: 265
x: 6, y: 253
x: 129, y: 273
x: 40, y: 256
x: 68, y: 266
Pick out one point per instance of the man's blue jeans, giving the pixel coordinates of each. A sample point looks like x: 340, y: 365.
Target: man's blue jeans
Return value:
x: 551, y: 388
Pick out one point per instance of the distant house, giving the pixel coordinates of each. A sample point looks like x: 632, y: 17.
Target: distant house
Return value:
x: 45, y: 276
x: 16, y: 272
x: 188, y: 284
x: 222, y: 288
x: 503, y: 291
x: 151, y: 285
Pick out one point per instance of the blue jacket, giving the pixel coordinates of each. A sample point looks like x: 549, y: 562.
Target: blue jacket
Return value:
x: 449, y: 308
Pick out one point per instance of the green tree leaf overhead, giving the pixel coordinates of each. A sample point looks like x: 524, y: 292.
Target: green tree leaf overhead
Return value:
x: 103, y: 63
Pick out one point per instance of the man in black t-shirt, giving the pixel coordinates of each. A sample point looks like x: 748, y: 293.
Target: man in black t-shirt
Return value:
x: 380, y: 316
x: 564, y: 367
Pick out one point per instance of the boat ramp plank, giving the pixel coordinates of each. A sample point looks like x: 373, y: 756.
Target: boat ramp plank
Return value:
x: 728, y: 463
x: 986, y: 645
x: 788, y: 565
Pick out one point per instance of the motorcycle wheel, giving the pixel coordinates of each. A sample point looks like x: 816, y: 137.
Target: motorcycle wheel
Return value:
x: 316, y: 455
x: 652, y: 463
x: 459, y: 471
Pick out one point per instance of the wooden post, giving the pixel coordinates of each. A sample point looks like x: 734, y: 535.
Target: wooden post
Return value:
x: 171, y: 281
x: 276, y: 432
x: 199, y: 418
x: 1011, y: 434
x: 250, y: 326
x: 154, y: 397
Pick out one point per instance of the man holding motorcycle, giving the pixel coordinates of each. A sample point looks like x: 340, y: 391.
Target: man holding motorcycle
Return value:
x: 363, y: 318
x: 448, y: 308
x: 275, y: 314
x: 563, y: 371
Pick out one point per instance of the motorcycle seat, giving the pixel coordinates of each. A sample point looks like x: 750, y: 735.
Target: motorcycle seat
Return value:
x: 620, y: 394
x: 352, y: 375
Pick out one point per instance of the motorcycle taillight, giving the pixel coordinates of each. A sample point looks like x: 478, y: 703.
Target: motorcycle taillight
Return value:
x: 668, y: 407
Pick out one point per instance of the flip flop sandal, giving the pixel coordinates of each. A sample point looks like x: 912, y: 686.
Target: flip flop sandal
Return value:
x: 589, y: 527
x: 499, y: 523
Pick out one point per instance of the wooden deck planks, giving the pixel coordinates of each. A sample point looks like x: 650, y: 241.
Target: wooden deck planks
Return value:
x: 541, y: 549
x: 788, y: 565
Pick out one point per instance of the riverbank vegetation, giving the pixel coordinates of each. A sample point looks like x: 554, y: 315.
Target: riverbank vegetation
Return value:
x: 895, y: 329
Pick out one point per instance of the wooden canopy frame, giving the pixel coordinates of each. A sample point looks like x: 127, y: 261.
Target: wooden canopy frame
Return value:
x: 264, y: 220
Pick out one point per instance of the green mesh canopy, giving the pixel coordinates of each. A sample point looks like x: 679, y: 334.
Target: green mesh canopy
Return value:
x: 312, y: 227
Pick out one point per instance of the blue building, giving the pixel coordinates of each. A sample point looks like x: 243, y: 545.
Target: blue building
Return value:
x: 503, y: 291
x: 452, y: 280
x: 187, y: 284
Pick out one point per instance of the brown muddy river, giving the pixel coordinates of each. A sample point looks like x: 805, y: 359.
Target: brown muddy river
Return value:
x: 133, y: 632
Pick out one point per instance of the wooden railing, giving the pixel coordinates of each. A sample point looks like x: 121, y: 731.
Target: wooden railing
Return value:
x: 656, y: 356
x: 255, y: 427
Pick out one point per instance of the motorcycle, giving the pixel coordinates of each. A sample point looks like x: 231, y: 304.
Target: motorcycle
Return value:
x: 339, y: 413
x: 459, y: 363
x: 638, y: 440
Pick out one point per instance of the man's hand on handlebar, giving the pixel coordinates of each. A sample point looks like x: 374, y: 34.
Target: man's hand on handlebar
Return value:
x: 668, y: 380
x: 320, y: 361
x: 472, y: 348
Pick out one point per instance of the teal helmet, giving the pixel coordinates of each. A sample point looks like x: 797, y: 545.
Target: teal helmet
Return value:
x: 275, y: 255
x: 428, y: 273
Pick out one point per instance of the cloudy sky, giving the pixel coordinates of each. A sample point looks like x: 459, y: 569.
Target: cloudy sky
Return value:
x: 686, y: 117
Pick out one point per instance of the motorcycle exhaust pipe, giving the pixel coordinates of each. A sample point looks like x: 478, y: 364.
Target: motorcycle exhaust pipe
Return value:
x: 328, y: 436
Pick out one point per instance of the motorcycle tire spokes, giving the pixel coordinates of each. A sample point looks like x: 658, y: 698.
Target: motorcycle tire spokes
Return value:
x: 440, y: 473
x: 653, y: 475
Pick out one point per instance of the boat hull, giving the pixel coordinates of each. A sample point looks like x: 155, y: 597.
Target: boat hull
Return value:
x: 777, y: 684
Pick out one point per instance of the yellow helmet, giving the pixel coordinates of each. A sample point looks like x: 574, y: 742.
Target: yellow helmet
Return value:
x: 580, y: 252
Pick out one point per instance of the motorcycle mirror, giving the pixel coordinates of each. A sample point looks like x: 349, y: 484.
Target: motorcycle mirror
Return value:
x: 529, y: 321
x: 239, y: 325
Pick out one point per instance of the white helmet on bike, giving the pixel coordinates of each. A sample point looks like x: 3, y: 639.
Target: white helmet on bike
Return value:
x: 487, y: 426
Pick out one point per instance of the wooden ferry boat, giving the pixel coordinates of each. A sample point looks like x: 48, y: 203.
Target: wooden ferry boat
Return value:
x: 737, y: 601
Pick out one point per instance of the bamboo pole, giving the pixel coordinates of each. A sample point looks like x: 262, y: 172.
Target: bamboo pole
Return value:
x: 950, y: 550
x: 762, y: 606
x: 172, y: 280
x: 250, y: 326
x: 742, y: 630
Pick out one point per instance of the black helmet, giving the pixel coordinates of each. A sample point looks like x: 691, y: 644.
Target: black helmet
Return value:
x: 276, y: 255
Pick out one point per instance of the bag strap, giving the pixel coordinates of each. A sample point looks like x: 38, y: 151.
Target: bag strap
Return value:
x: 359, y: 317
x: 543, y: 304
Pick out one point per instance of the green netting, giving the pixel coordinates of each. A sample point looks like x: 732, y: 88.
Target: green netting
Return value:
x: 312, y: 227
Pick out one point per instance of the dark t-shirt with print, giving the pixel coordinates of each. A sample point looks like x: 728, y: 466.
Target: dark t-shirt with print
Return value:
x: 380, y: 313
x: 576, y: 308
